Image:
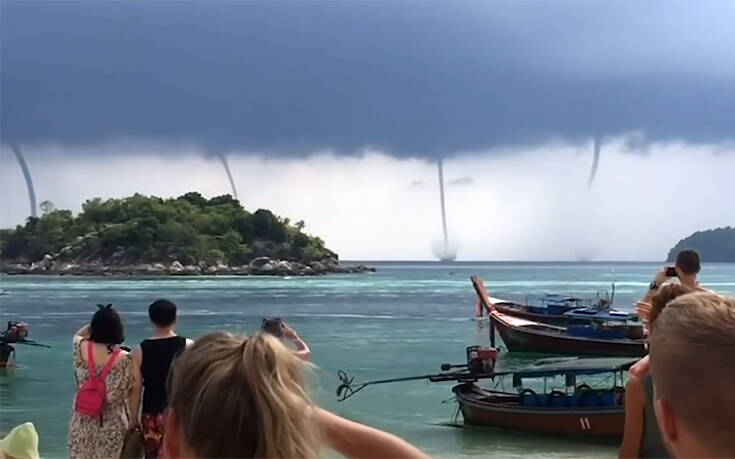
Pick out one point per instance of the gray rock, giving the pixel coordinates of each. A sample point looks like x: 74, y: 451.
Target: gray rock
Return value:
x: 191, y: 269
x: 260, y: 262
x: 16, y: 268
x: 222, y: 267
x: 67, y: 267
x: 48, y: 260
x: 37, y: 266
x: 176, y: 266
x: 243, y: 270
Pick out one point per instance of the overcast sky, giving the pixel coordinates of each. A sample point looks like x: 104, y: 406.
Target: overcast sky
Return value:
x: 99, y: 93
x: 415, y: 78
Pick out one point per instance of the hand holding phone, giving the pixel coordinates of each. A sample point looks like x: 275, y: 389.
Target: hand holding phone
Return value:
x: 274, y: 326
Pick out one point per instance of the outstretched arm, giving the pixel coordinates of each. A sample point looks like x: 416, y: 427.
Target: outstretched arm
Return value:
x: 136, y: 391
x: 658, y: 280
x: 354, y: 440
x: 302, y: 349
x: 82, y: 333
x: 634, y: 418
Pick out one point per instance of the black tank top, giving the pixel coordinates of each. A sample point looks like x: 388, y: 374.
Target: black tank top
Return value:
x: 157, y: 357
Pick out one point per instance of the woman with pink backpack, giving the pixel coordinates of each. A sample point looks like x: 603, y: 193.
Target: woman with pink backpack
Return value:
x: 106, y: 379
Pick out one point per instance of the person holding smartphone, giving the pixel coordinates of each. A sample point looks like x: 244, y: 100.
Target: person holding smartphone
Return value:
x: 278, y: 328
x: 686, y: 270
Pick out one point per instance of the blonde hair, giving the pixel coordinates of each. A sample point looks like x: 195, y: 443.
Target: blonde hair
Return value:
x: 234, y: 396
x: 693, y: 365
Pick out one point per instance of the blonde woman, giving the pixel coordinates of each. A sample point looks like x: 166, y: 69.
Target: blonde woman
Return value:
x: 237, y: 397
x: 641, y: 436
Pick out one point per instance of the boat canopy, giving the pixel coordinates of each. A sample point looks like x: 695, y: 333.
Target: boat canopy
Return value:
x: 596, y: 314
x: 574, y: 367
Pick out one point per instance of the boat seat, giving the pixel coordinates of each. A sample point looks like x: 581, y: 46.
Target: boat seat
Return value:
x: 607, y: 398
x: 558, y: 399
x: 530, y: 398
x: 557, y: 309
x: 590, y: 332
x: 589, y: 398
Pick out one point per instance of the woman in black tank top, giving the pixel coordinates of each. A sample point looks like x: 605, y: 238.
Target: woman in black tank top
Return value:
x: 158, y: 353
x: 154, y: 358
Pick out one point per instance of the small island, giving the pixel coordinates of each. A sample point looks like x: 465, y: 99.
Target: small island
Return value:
x: 147, y: 235
x: 714, y: 245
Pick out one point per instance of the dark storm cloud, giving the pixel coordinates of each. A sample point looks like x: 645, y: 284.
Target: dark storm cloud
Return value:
x: 415, y: 79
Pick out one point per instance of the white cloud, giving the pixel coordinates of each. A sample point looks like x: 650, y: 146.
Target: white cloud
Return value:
x: 530, y: 205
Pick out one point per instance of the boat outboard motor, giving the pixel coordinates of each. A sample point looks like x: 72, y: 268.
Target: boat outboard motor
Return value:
x: 481, y: 359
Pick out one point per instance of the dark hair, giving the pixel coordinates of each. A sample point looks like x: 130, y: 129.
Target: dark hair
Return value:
x: 688, y: 262
x: 273, y: 325
x: 106, y: 326
x: 162, y: 313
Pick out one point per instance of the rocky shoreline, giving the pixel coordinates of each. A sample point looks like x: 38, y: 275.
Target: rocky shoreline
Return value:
x: 261, y: 266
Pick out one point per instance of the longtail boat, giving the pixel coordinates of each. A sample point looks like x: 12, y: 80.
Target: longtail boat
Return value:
x: 556, y: 309
x: 576, y: 410
x: 573, y: 407
x: 596, y: 336
x: 521, y: 335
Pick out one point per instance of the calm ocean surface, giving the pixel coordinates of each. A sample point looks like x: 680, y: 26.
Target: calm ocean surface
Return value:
x: 406, y: 319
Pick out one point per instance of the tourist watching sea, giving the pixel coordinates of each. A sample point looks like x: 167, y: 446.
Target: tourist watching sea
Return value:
x: 686, y: 271
x: 278, y: 328
x: 153, y: 360
x: 96, y: 351
x: 692, y: 361
x: 245, y: 397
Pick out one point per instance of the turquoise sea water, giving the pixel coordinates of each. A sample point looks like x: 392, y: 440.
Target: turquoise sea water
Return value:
x: 406, y: 319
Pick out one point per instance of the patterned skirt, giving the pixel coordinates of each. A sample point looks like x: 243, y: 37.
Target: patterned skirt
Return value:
x: 152, y: 426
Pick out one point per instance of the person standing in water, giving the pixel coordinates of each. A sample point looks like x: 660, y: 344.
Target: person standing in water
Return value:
x: 154, y: 358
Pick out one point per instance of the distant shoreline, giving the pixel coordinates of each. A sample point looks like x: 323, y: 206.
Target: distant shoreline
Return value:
x: 266, y: 267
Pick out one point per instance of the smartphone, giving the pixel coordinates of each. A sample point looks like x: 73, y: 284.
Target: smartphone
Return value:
x: 273, y: 325
x: 671, y: 272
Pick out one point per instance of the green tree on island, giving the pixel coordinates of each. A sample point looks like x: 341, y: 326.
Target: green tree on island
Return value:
x: 714, y: 245
x: 140, y: 229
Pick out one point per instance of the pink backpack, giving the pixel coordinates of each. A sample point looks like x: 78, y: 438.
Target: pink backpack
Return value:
x: 92, y: 396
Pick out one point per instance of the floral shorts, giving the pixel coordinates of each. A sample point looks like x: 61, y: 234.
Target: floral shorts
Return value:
x: 152, y: 426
